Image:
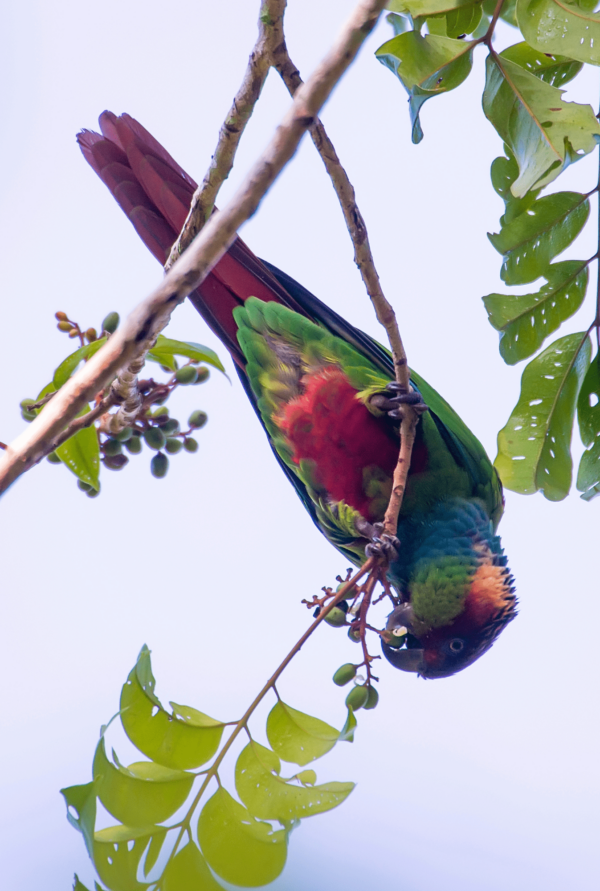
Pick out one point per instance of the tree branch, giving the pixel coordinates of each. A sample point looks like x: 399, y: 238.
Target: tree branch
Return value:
x: 131, y: 340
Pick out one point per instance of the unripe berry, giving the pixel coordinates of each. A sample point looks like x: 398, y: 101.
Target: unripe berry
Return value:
x: 159, y: 466
x: 203, y: 375
x: 170, y: 426
x: 186, y: 375
x: 64, y: 326
x: 92, y: 493
x: 61, y: 316
x: 161, y: 412
x: 344, y: 674
x: 85, y: 487
x: 116, y: 462
x: 354, y: 634
x: 190, y: 445
x: 197, y: 419
x: 53, y: 458
x: 73, y: 332
x: 372, y: 698
x: 134, y: 445
x: 123, y: 435
x: 25, y: 403
x: 337, y: 616
x: 91, y: 335
x: 155, y: 438
x: 173, y: 445
x: 28, y: 415
x: 112, y: 447
x: 111, y: 322
x: 357, y: 697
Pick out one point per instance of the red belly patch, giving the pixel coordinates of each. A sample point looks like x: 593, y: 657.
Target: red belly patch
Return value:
x: 353, y: 452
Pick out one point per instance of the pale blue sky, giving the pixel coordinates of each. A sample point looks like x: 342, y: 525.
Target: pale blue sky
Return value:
x: 482, y: 782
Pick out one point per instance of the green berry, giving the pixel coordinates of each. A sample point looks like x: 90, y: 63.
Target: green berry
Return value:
x: 354, y: 634
x: 357, y: 697
x: 28, y: 415
x: 25, y: 403
x: 197, y: 419
x: 112, y: 447
x: 53, y: 458
x: 337, y: 616
x: 203, y: 375
x: 111, y: 322
x: 372, y: 698
x: 85, y: 487
x: 116, y: 462
x: 170, y: 426
x: 92, y: 493
x: 186, y: 375
x: 134, y: 445
x: 155, y: 438
x: 162, y: 412
x: 64, y: 326
x: 124, y: 434
x: 344, y: 674
x: 91, y: 335
x: 190, y: 445
x: 172, y: 445
x: 159, y: 466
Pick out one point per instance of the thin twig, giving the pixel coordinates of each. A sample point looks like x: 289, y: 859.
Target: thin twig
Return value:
x: 203, y: 201
x: 152, y: 315
x: 363, y: 258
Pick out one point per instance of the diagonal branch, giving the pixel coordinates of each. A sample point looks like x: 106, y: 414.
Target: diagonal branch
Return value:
x: 152, y: 315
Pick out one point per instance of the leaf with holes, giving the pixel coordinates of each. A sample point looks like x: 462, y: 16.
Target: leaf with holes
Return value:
x: 69, y: 365
x: 82, y: 800
x: 544, y: 133
x: 268, y: 796
x: 504, y: 172
x: 142, y: 793
x: 81, y: 454
x: 426, y: 66
x: 298, y: 737
x: 552, y: 68
x: 530, y: 241
x: 118, y: 852
x: 526, y: 320
x: 588, y: 416
x: 239, y: 848
x: 165, y: 349
x: 534, y: 448
x: 182, y: 740
x: 555, y: 26
x: 187, y: 871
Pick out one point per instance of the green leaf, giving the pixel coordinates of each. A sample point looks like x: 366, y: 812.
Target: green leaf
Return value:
x: 307, y: 777
x: 82, y: 800
x: 182, y: 740
x: 504, y: 172
x: 552, y: 68
x: 588, y: 415
x: 534, y: 448
x: 187, y: 871
x: 347, y: 731
x: 68, y: 366
x: 422, y: 8
x: 544, y: 133
x: 239, y: 848
x: 426, y: 66
x: 526, y: 320
x: 81, y: 454
x: 165, y: 349
x: 508, y: 12
x: 268, y: 796
x: 118, y: 851
x: 78, y: 885
x: 142, y: 793
x: 298, y: 737
x: 530, y: 241
x: 554, y: 26
x: 400, y: 23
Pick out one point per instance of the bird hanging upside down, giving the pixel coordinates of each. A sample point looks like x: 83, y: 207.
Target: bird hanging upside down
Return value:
x: 325, y: 395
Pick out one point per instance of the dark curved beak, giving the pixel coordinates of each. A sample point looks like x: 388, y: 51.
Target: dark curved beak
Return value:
x: 405, y: 660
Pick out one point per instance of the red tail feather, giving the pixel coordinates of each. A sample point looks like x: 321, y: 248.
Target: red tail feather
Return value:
x: 155, y: 193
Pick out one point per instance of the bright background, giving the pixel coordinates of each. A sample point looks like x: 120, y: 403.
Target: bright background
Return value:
x: 482, y: 782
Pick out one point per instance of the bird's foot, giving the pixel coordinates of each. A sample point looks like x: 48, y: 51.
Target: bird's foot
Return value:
x: 381, y: 544
x: 395, y: 397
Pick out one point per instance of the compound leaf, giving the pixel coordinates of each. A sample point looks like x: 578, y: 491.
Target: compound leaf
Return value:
x: 239, y: 848
x: 544, y: 133
x: 531, y: 240
x: 298, y: 737
x: 526, y: 320
x: 187, y: 871
x: 555, y: 26
x: 268, y: 796
x: 426, y: 66
x: 182, y: 740
x: 142, y: 793
x: 534, y: 447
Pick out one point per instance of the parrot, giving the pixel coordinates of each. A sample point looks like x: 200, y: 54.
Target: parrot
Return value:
x: 325, y: 394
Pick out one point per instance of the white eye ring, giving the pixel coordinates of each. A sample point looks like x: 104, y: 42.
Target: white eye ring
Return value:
x: 457, y: 645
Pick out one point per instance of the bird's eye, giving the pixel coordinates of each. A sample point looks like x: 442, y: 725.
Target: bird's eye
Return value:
x: 457, y: 645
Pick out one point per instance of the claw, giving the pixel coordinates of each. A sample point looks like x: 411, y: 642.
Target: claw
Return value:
x: 392, y: 404
x: 381, y: 544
